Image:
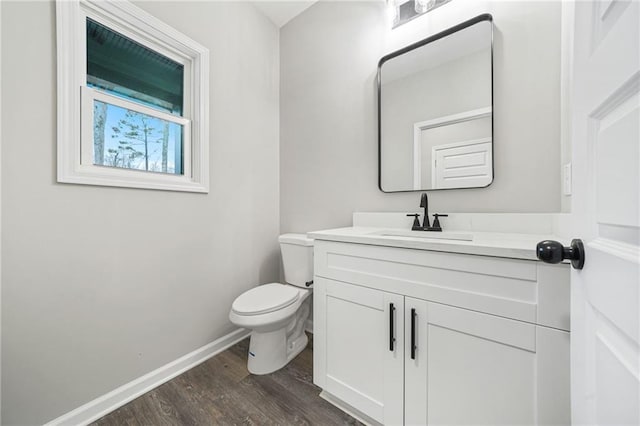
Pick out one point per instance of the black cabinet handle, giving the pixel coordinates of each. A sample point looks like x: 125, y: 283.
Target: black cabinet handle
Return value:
x: 413, y: 334
x: 553, y: 252
x: 392, y: 338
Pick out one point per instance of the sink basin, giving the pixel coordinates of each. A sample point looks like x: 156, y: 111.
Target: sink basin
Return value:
x: 457, y: 236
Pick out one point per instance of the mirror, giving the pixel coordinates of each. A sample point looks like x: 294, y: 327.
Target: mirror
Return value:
x: 435, y: 111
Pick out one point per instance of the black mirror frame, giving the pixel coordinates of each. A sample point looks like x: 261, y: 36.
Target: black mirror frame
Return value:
x: 430, y: 39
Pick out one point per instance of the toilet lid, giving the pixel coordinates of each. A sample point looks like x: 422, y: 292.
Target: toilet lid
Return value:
x: 265, y: 298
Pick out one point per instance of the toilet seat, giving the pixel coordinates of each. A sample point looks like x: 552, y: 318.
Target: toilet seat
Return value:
x: 265, y: 298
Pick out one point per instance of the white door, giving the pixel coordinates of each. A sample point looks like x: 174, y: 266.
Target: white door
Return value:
x: 605, y: 318
x: 415, y: 365
x: 359, y: 348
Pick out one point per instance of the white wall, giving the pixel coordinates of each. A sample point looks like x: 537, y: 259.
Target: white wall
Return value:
x: 566, y: 53
x: 102, y: 285
x: 0, y: 217
x: 328, y: 146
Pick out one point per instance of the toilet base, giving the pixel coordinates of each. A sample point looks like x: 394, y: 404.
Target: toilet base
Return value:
x: 271, y: 350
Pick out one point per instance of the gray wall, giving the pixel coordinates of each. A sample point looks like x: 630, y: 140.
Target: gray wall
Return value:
x: 102, y: 285
x: 328, y: 145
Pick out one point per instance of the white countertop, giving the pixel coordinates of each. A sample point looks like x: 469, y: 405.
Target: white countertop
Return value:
x: 498, y: 244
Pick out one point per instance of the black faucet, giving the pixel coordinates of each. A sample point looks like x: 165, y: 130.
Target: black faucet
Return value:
x: 426, y: 226
x: 436, y: 222
x: 424, y: 203
x: 416, y: 222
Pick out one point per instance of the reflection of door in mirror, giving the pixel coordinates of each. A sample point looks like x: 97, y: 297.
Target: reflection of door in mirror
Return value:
x: 436, y: 128
x: 456, y: 148
x: 461, y: 164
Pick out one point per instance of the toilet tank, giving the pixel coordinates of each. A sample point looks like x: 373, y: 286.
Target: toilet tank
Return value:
x: 297, y: 258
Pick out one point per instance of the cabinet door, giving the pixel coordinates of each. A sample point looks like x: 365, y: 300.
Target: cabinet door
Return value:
x: 474, y: 368
x: 358, y: 348
x: 416, y: 326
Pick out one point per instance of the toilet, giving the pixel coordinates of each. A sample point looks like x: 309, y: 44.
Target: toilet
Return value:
x: 277, y: 313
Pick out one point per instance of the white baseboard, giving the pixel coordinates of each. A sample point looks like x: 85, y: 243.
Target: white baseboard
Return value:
x: 309, y: 325
x: 109, y: 402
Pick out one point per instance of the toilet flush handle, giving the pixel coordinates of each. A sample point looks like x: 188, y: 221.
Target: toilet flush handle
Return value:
x: 309, y: 283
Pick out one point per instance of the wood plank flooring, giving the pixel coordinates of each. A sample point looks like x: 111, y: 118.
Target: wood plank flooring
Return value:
x: 221, y: 391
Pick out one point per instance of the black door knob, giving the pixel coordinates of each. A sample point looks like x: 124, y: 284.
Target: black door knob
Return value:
x: 553, y: 252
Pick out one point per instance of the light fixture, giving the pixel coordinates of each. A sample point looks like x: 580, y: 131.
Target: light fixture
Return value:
x: 403, y: 11
x: 393, y: 13
x: 423, y: 6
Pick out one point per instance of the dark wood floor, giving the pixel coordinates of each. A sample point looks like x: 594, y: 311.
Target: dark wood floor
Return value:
x: 221, y: 391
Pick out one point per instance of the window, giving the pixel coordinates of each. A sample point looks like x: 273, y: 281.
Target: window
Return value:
x: 132, y: 100
x: 124, y: 134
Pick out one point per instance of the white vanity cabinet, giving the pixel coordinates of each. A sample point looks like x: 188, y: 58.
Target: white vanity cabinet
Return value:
x: 490, y: 336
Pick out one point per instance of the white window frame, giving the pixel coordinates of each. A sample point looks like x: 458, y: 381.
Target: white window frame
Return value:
x: 75, y: 99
